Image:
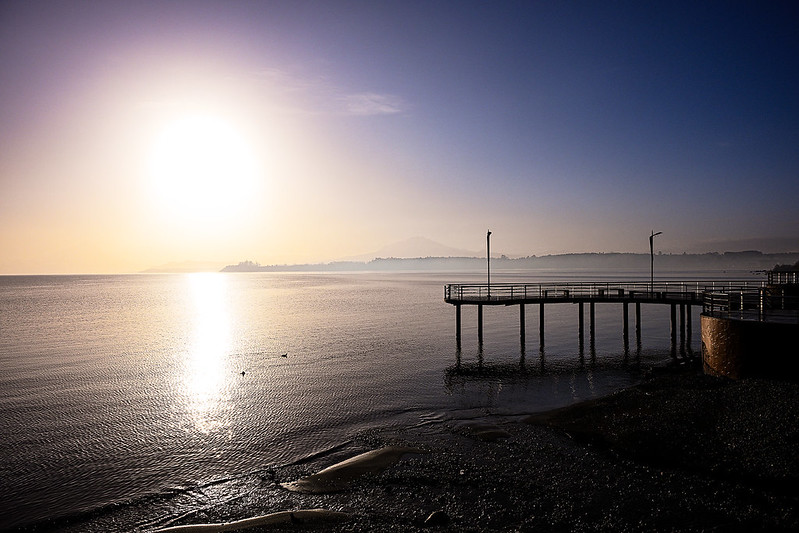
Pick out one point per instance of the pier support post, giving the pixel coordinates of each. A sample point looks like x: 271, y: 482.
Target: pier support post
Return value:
x: 682, y: 329
x: 541, y: 325
x: 689, y: 327
x: 638, y: 325
x: 480, y: 325
x: 591, y: 328
x: 458, y: 325
x: 521, y: 325
x: 626, y: 315
x: 581, y: 326
x: 673, y: 329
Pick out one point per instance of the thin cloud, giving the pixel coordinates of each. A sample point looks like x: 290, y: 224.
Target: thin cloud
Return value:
x: 373, y: 104
x: 318, y: 95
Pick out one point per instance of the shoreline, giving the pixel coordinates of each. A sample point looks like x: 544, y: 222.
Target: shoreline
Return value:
x: 679, y: 452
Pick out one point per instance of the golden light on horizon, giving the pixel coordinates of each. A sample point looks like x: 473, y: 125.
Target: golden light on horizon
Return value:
x: 202, y: 170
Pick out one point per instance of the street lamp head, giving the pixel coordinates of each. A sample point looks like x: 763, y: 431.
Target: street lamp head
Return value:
x: 652, y: 237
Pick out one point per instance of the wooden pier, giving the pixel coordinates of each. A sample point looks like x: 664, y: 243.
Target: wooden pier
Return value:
x: 681, y: 296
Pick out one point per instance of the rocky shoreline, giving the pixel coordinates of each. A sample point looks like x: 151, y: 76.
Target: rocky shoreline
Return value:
x: 682, y: 452
x: 679, y: 452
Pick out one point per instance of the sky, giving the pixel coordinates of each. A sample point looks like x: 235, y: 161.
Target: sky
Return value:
x: 134, y: 134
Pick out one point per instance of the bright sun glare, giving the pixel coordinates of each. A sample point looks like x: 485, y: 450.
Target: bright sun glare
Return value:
x: 201, y: 167
x: 206, y: 360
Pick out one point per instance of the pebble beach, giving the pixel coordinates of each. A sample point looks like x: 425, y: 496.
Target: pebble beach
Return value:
x: 681, y: 451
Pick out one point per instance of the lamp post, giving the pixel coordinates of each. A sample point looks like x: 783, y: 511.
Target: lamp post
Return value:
x: 488, y: 261
x: 652, y: 261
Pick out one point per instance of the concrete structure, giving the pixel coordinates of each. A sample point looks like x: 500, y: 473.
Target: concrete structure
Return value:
x: 738, y: 348
x: 753, y: 333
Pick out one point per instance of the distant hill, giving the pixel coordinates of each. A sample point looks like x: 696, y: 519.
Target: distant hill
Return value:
x: 414, y: 247
x: 608, y: 262
x: 766, y: 245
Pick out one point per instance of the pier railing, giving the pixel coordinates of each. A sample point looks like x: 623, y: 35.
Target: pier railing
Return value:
x: 765, y: 303
x: 661, y: 291
x: 731, y: 299
x: 747, y: 300
x: 783, y: 277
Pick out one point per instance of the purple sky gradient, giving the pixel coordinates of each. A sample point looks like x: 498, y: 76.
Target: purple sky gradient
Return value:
x: 562, y: 126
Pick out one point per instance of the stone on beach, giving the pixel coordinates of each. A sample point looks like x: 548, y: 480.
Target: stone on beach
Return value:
x: 340, y: 475
x: 283, y: 517
x: 437, y: 518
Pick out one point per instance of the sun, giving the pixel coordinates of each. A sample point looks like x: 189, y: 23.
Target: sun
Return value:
x: 202, y: 168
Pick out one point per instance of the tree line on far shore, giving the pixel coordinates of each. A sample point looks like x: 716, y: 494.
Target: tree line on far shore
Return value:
x: 752, y: 260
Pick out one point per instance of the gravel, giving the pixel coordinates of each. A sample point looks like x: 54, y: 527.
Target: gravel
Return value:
x: 679, y: 452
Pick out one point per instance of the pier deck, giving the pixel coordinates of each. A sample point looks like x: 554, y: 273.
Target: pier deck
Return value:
x: 678, y: 294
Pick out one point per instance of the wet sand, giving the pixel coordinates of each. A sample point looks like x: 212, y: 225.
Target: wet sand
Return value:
x: 680, y: 452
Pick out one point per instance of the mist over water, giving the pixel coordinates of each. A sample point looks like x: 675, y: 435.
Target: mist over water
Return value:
x: 114, y: 388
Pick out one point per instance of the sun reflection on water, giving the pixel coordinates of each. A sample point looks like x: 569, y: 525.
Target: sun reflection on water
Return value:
x: 206, y: 358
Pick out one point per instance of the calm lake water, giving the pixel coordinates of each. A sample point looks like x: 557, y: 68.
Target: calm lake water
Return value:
x: 114, y: 389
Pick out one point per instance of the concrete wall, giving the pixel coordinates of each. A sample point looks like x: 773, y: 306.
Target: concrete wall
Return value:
x: 746, y: 348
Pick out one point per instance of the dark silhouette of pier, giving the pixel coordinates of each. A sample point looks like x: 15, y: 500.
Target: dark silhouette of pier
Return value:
x: 681, y: 296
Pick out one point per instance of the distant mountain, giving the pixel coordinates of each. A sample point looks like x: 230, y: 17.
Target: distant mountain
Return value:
x: 766, y: 245
x: 752, y: 260
x: 178, y: 267
x: 413, y: 248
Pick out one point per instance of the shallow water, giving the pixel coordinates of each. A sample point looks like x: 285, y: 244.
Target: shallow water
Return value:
x: 116, y: 388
